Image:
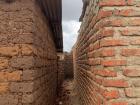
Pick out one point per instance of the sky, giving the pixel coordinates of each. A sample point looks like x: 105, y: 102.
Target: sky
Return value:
x: 71, y: 12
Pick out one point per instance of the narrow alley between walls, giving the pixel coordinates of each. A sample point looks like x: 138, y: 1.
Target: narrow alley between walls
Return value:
x: 102, y: 68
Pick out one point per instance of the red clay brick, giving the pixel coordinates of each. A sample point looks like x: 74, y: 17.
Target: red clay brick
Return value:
x: 114, y: 94
x: 108, y: 52
x: 119, y: 103
x: 131, y: 72
x: 107, y: 33
x: 113, y: 42
x: 112, y: 3
x: 130, y: 52
x: 4, y: 88
x: 114, y: 62
x: 104, y: 14
x: 125, y: 12
x: 106, y: 73
x: 130, y: 32
x: 135, y: 41
x: 115, y: 83
x: 132, y: 92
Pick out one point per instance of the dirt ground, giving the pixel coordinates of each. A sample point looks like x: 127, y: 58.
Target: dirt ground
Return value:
x: 67, y: 95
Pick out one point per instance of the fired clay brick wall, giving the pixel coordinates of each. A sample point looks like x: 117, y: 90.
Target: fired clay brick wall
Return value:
x: 108, y: 53
x: 28, y: 60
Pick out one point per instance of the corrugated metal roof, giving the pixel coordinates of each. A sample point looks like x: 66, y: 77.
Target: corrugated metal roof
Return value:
x: 53, y: 12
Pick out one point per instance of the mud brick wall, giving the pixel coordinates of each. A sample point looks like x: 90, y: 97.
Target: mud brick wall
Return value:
x: 68, y: 65
x: 28, y: 60
x: 108, y: 53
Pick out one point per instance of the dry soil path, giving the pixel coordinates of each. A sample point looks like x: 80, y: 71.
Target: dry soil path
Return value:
x: 67, y: 95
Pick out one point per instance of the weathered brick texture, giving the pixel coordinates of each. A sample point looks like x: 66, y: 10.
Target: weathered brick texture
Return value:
x: 28, y: 59
x: 108, y: 54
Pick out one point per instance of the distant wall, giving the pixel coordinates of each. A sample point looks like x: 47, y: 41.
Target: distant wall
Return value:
x: 28, y: 58
x: 68, y: 65
x: 60, y: 71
